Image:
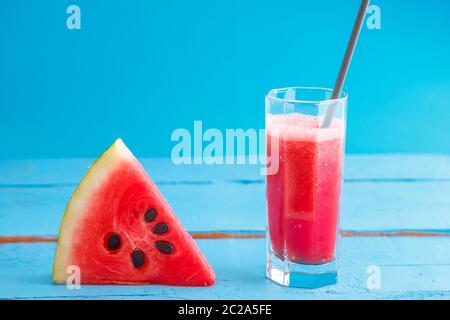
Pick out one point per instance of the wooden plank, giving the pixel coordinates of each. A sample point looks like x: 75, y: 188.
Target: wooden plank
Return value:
x: 38, y: 211
x: 367, y: 206
x: 397, y: 167
x: 410, y: 268
x: 70, y: 171
x: 358, y: 167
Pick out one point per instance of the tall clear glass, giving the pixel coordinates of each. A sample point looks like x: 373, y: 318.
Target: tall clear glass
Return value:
x: 305, y: 163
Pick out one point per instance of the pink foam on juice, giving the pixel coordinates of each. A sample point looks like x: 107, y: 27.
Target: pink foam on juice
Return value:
x: 303, y: 196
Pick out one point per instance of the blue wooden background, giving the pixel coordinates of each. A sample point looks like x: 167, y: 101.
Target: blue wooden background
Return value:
x: 139, y: 69
x: 395, y: 217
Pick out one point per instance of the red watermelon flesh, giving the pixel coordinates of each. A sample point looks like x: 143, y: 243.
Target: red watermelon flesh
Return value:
x: 118, y: 229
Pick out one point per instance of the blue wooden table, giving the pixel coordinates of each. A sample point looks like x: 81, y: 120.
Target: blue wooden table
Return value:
x: 396, y: 217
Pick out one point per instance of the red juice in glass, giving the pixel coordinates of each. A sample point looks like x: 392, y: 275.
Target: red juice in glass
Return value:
x: 303, y: 194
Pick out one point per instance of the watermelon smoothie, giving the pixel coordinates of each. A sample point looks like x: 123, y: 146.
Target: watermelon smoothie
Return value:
x: 305, y: 156
x: 303, y: 195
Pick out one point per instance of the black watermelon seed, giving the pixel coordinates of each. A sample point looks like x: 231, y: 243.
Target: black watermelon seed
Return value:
x: 113, y: 242
x: 150, y: 215
x: 161, y: 228
x: 164, y: 247
x: 137, y: 257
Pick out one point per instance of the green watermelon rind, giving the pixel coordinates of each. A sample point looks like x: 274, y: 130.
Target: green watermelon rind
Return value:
x: 97, y: 173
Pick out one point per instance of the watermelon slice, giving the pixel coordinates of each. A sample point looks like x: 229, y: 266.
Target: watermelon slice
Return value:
x: 118, y: 229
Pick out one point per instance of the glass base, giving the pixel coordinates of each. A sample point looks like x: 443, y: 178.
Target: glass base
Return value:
x: 291, y: 274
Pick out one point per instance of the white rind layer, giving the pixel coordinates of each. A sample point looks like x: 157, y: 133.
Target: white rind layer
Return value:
x: 98, y: 173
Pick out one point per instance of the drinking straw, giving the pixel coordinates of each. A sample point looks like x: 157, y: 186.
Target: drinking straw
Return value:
x: 346, y: 62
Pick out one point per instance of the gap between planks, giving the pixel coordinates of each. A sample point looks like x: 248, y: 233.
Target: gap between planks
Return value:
x: 235, y: 181
x: 214, y: 235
